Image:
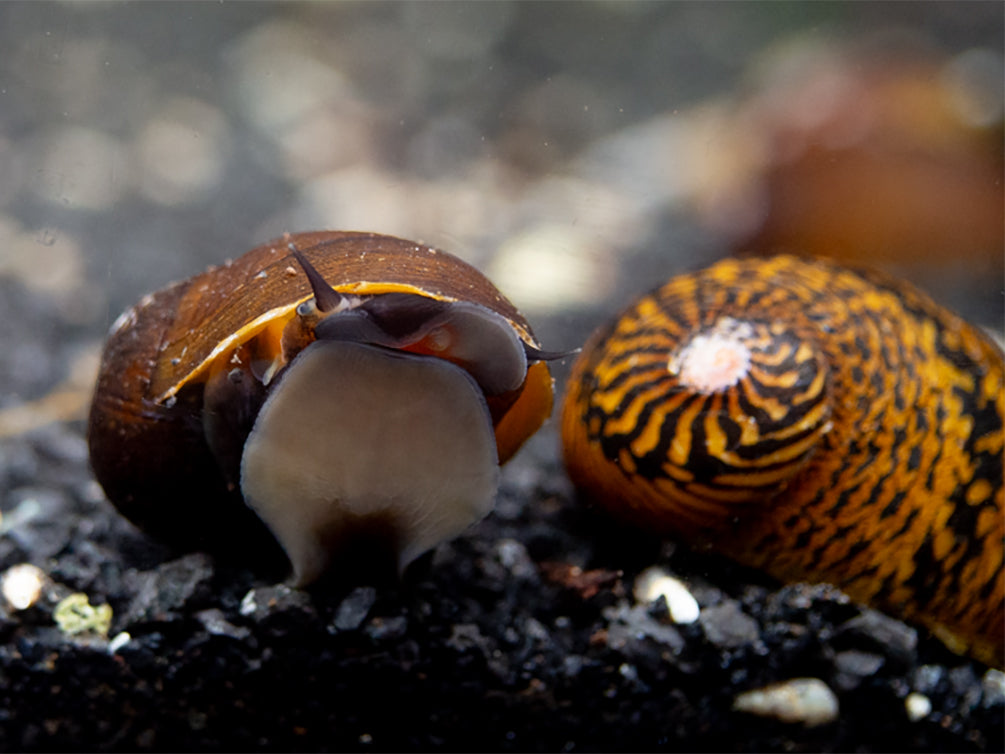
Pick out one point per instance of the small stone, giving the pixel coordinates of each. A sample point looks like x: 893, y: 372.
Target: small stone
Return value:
x: 515, y: 559
x: 927, y: 678
x: 874, y: 630
x: 654, y: 583
x: 119, y: 641
x: 465, y: 637
x: 22, y: 585
x: 354, y: 608
x: 963, y: 681
x: 23, y: 513
x: 918, y: 706
x: 635, y: 623
x: 808, y: 701
x: 214, y: 621
x: 534, y: 629
x: 76, y: 615
x: 853, y: 665
x: 41, y: 523
x: 387, y: 629
x: 267, y: 602
x: 796, y: 603
x: 60, y: 444
x: 728, y: 627
x: 572, y: 665
x: 993, y: 688
x: 165, y: 591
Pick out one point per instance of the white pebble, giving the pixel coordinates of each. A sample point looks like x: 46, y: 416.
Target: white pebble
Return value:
x: 918, y: 706
x: 248, y: 604
x: 993, y: 687
x: 119, y: 641
x: 22, y: 585
x: 800, y: 700
x: 654, y: 583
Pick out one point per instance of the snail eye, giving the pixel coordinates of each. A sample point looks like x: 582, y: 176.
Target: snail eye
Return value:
x: 481, y: 341
x: 438, y: 340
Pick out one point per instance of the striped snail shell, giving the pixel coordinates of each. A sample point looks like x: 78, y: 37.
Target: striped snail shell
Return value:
x: 818, y: 423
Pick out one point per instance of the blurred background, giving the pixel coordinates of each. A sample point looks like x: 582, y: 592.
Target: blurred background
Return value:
x: 578, y: 153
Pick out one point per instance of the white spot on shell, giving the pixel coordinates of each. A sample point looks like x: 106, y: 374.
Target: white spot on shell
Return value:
x: 809, y: 701
x: 654, y: 583
x: 714, y: 360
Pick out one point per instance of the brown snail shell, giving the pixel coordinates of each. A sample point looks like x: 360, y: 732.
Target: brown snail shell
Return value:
x: 814, y: 422
x: 377, y: 394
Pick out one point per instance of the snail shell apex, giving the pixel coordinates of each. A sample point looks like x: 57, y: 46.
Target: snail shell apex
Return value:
x: 818, y: 423
x: 187, y: 374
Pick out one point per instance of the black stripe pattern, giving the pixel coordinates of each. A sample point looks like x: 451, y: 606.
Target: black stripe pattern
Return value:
x: 820, y: 423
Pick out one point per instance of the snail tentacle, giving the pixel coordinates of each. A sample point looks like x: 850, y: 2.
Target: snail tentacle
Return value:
x: 326, y: 298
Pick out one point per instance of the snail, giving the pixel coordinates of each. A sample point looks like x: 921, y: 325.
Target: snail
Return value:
x: 814, y: 422
x: 884, y: 167
x: 325, y: 391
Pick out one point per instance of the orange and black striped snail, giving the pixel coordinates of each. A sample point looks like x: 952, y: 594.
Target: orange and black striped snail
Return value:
x: 818, y: 423
x: 339, y: 387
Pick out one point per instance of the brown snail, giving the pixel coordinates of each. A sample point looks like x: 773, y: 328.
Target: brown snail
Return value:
x: 336, y: 386
x: 818, y: 423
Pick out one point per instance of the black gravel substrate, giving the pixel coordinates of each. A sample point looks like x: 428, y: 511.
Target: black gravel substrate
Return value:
x: 521, y: 636
x: 141, y: 142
